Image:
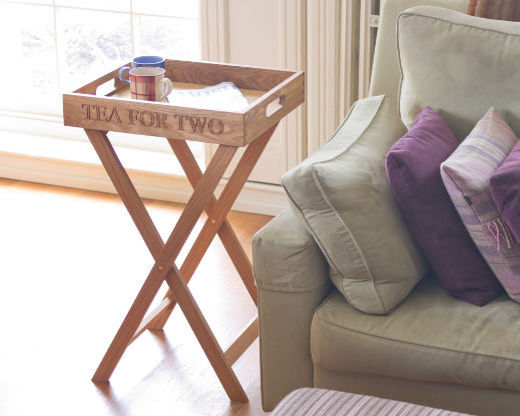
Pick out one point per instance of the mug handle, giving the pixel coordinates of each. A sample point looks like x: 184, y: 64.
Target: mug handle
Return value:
x: 167, y: 86
x: 122, y: 73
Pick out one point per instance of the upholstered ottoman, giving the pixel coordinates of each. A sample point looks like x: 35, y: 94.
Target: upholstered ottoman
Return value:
x: 320, y: 402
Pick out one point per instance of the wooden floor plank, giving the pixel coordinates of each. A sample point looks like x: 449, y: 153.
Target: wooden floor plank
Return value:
x: 52, y: 344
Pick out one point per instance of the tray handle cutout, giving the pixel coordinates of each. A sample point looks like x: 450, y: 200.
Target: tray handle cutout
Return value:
x: 275, y: 105
x: 106, y: 85
x: 106, y: 89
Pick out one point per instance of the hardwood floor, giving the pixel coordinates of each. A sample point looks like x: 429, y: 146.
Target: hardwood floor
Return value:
x: 71, y: 264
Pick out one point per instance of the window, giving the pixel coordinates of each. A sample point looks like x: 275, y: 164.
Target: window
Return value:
x: 55, y: 46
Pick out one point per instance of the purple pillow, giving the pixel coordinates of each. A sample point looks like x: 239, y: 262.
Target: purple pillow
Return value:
x: 505, y: 190
x: 413, y: 168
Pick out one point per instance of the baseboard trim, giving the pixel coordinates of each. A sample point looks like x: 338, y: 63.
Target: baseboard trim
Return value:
x: 255, y: 198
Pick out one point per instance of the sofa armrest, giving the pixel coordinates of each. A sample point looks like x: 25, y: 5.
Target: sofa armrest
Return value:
x: 292, y: 278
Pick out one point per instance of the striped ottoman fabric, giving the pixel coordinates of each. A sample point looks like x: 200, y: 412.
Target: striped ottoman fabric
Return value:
x: 320, y: 402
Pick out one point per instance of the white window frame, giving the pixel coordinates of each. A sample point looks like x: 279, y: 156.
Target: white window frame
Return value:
x: 40, y: 132
x: 318, y: 37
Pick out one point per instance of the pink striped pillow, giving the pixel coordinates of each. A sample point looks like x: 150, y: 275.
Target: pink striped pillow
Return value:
x: 320, y: 402
x: 466, y: 174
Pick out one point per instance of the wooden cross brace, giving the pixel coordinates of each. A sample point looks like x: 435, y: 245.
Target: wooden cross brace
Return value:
x: 165, y: 254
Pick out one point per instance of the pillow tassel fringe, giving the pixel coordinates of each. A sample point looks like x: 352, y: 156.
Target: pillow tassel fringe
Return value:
x: 499, y: 232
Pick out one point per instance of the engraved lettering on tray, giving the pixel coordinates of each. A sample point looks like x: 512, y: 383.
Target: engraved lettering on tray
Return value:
x: 218, y: 129
x: 197, y: 123
x: 100, y: 113
x: 154, y: 119
x: 200, y: 124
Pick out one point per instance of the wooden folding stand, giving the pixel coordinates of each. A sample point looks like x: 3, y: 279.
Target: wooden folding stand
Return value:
x: 271, y: 95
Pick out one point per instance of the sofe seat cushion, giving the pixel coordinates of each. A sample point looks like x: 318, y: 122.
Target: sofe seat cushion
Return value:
x: 458, y: 64
x: 413, y: 167
x: 421, y: 340
x: 344, y: 198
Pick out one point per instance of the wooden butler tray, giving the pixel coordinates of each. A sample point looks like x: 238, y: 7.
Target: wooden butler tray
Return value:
x: 271, y: 94
x: 284, y: 90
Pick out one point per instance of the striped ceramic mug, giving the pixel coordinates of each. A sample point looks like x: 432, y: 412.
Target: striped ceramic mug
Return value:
x: 149, y: 83
x: 139, y: 61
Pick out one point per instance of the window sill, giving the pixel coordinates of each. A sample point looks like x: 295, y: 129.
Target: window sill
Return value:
x: 155, y: 175
x: 82, y: 152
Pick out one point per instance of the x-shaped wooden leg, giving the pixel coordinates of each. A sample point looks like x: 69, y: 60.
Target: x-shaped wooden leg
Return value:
x: 165, y: 255
x: 157, y: 319
x: 216, y: 223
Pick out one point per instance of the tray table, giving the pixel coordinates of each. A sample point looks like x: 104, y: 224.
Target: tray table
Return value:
x: 271, y: 95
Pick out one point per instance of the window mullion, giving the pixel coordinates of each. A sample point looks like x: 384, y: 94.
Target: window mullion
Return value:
x: 57, y: 55
x: 132, y: 29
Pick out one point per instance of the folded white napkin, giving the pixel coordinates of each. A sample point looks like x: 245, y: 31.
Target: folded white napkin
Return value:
x: 224, y: 96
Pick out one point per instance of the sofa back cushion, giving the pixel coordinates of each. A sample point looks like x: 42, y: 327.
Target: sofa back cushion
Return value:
x: 385, y: 69
x: 459, y: 65
x: 342, y: 194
